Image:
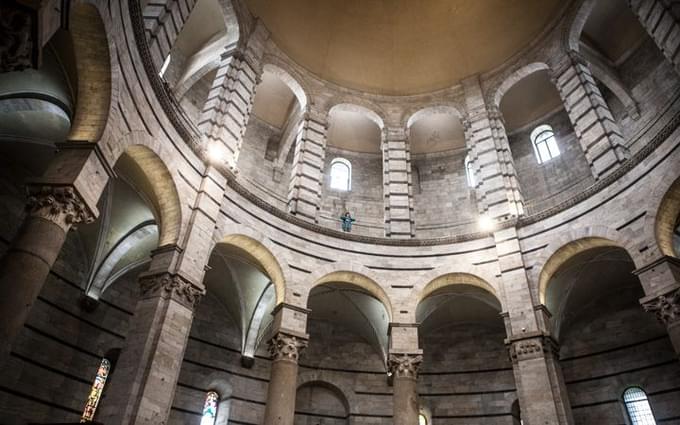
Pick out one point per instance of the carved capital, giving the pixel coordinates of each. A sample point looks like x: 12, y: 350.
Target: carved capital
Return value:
x: 58, y: 204
x: 530, y: 348
x: 286, y: 347
x: 666, y: 307
x: 16, y: 37
x: 171, y: 286
x: 405, y: 365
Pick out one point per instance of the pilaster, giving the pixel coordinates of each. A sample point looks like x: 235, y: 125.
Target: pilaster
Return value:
x: 163, y: 21
x: 657, y: 17
x: 397, y: 184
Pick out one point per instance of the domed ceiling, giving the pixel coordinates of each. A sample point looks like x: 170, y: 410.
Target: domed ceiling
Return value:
x: 402, y: 47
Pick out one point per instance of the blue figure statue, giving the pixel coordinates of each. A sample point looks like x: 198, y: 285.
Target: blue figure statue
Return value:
x: 347, y: 222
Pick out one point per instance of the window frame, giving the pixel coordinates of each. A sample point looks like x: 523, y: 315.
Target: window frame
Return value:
x: 469, y: 173
x: 96, y: 390
x: 205, y: 420
x: 543, y: 136
x: 627, y: 404
x: 336, y: 162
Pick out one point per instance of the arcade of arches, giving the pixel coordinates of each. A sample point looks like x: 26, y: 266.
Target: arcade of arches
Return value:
x: 173, y: 173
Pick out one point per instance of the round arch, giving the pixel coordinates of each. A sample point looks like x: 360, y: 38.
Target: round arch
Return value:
x: 453, y: 279
x: 293, y: 84
x: 666, y: 218
x: 514, y: 78
x: 258, y: 248
x: 359, y: 276
x: 578, y: 22
x: 145, y: 171
x: 369, y: 111
x: 433, y: 109
x: 93, y: 67
x: 323, y: 378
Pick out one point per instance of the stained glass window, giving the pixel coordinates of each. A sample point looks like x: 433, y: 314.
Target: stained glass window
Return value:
x: 96, y: 391
x: 210, y: 408
x: 638, y: 407
x: 545, y: 145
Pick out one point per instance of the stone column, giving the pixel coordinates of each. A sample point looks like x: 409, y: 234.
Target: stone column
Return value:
x: 150, y: 362
x: 662, y: 24
x: 540, y: 387
x: 593, y: 122
x: 306, y: 180
x: 285, y: 348
x: 397, y: 184
x: 163, y: 21
x: 62, y: 198
x: 497, y: 186
x: 230, y: 99
x: 661, y: 282
x: 404, y: 370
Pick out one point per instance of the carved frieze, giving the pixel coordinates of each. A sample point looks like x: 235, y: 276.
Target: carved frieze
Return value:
x: 58, y: 204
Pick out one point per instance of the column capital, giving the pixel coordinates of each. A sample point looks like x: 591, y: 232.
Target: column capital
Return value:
x: 61, y: 205
x: 171, y: 286
x: 405, y: 365
x: 531, y: 345
x: 666, y: 307
x: 288, y: 347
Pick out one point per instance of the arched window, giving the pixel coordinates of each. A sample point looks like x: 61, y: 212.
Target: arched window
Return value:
x: 638, y: 408
x: 422, y: 420
x: 469, y: 172
x: 96, y: 391
x: 210, y: 408
x: 164, y: 68
x: 341, y: 174
x: 545, y: 145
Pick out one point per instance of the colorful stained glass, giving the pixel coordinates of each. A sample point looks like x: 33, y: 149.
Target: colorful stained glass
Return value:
x: 210, y: 408
x: 96, y: 391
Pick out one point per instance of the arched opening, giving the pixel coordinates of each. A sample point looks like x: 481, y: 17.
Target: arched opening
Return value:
x: 320, y: 402
x: 439, y: 151
x: 341, y: 174
x: 637, y: 406
x: 461, y: 332
x: 354, y: 134
x: 667, y: 223
x: 549, y: 165
x: 602, y: 329
x: 516, y: 413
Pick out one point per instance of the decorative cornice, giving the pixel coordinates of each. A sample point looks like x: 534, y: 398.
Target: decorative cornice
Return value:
x: 666, y: 307
x: 171, y: 286
x: 287, y: 347
x: 405, y: 365
x: 58, y: 204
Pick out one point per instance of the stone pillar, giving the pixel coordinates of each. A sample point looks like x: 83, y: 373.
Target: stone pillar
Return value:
x: 661, y: 282
x: 285, y: 348
x: 497, y: 186
x: 397, y: 184
x: 404, y: 370
x: 65, y: 196
x: 540, y: 386
x: 662, y: 24
x: 590, y: 116
x: 230, y: 99
x: 163, y: 21
x: 306, y: 180
x: 150, y: 362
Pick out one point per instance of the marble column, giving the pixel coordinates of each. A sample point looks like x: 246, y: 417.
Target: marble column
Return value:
x: 594, y: 125
x: 52, y: 211
x: 662, y: 24
x: 661, y: 282
x: 285, y: 351
x: 404, y: 370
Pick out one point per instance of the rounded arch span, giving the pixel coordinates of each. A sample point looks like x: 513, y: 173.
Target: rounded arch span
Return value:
x: 360, y: 276
x: 93, y: 67
x: 372, y: 112
x: 666, y: 203
x: 231, y: 21
x: 146, y: 171
x: 574, y: 243
x: 259, y: 248
x: 577, y: 23
x: 514, y: 78
x: 456, y: 278
x: 292, y: 83
x: 326, y: 379
x: 429, y: 110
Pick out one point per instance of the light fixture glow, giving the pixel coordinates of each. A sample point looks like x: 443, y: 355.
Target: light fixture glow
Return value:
x: 486, y: 223
x: 216, y: 153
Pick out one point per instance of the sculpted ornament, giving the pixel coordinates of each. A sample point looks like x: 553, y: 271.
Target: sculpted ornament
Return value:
x: 171, y: 286
x: 666, y: 307
x: 286, y: 347
x: 405, y: 365
x: 58, y: 204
